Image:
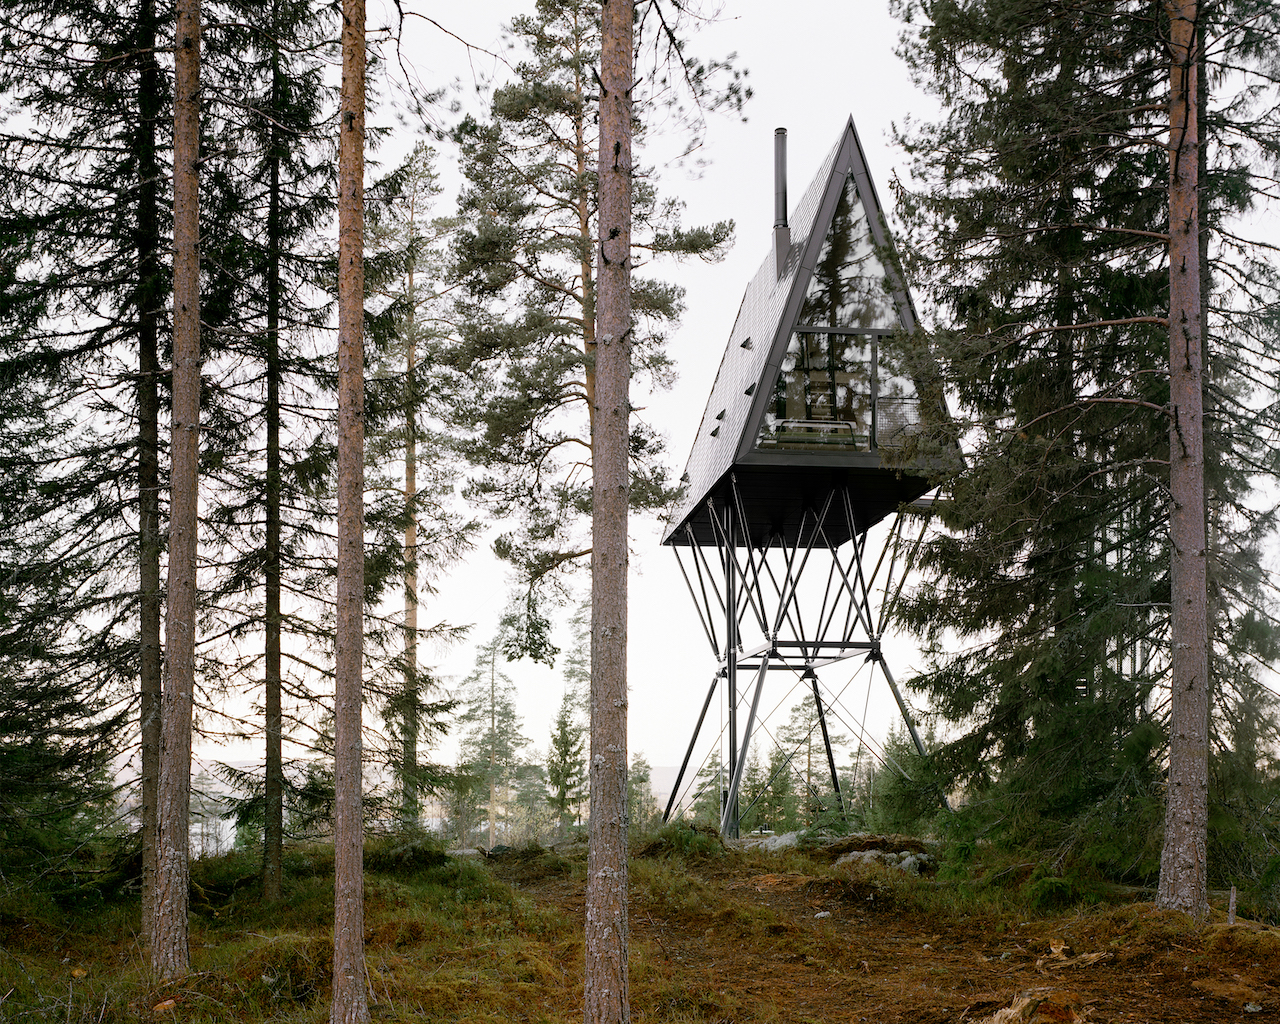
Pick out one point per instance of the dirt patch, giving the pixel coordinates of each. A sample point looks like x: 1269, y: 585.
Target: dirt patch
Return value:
x: 823, y: 946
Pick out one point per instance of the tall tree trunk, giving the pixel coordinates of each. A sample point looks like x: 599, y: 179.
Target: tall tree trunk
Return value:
x: 350, y: 1005
x: 409, y: 808
x: 1182, y: 860
x: 273, y: 767
x: 493, y: 743
x: 606, y: 986
x: 169, y: 953
x: 149, y: 300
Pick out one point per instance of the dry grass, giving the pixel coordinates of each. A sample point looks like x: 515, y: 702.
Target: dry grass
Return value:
x: 717, y: 936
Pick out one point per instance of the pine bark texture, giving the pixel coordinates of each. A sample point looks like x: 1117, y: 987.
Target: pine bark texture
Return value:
x: 149, y: 301
x: 606, y: 986
x: 273, y: 762
x: 409, y: 808
x: 350, y: 1003
x: 170, y: 957
x: 1183, y: 858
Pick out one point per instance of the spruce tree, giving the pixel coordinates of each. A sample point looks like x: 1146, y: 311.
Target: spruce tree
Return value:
x: 350, y: 1004
x: 491, y: 739
x: 85, y: 216
x: 58, y: 730
x: 643, y: 812
x: 567, y: 763
x: 86, y: 187
x: 567, y: 753
x: 1042, y: 232
x: 710, y: 785
x: 270, y: 194
x: 280, y: 65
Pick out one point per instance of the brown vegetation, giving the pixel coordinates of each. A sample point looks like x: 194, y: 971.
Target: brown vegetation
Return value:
x: 718, y: 935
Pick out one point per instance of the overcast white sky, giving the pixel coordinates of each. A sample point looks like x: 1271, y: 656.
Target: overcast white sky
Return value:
x: 810, y: 68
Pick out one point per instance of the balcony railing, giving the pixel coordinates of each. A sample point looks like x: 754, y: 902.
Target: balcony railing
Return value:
x: 893, y: 420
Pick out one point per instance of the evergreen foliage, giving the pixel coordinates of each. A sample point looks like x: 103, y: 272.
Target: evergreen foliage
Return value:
x: 525, y: 259
x: 83, y: 218
x: 490, y: 757
x: 566, y: 768
x: 709, y: 786
x: 268, y: 298
x: 769, y: 801
x: 1041, y: 233
x: 801, y: 744
x: 407, y: 395
x: 567, y: 753
x: 643, y: 813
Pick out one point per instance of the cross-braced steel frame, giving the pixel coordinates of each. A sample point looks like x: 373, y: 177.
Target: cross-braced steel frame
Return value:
x: 808, y: 602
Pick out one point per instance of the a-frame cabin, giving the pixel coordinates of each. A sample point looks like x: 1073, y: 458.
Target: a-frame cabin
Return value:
x: 809, y: 392
x: 800, y: 451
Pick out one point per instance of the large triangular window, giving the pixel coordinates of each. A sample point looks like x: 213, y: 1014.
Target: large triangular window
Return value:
x: 848, y: 284
x: 837, y: 389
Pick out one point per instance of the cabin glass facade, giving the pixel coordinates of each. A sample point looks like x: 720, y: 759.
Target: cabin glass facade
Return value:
x: 848, y: 287
x: 832, y: 393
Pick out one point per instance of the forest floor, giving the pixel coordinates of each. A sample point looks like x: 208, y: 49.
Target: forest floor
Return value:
x: 747, y: 938
x: 717, y: 936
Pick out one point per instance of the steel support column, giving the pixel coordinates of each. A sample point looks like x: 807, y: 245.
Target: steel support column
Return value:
x: 730, y: 812
x: 826, y: 740
x: 848, y: 620
x: 729, y: 820
x: 675, y: 789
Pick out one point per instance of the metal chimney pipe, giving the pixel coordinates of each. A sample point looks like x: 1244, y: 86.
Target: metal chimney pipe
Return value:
x: 780, y: 178
x: 781, y: 232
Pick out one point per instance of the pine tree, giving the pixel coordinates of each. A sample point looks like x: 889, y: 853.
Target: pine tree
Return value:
x: 527, y: 258
x: 170, y: 954
x: 606, y: 987
x: 1184, y: 881
x: 350, y: 1005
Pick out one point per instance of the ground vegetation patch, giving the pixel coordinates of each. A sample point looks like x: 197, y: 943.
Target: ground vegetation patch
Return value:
x: 720, y: 933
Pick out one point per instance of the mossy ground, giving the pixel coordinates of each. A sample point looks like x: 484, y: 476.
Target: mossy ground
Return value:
x: 718, y: 935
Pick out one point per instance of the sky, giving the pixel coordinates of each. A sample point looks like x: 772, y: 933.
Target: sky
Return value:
x: 809, y: 70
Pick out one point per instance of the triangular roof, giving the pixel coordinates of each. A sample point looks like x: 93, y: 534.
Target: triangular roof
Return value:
x: 771, y: 310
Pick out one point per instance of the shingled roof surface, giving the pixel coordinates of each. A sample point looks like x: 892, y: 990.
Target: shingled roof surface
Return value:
x: 776, y: 487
